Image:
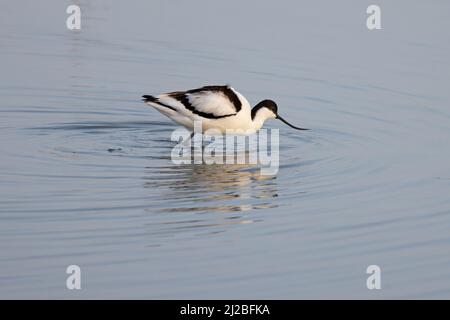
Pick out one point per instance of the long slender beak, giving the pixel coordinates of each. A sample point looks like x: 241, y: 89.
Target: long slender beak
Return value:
x: 290, y: 125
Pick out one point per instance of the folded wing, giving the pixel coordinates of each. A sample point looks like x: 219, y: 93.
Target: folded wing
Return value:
x: 212, y: 102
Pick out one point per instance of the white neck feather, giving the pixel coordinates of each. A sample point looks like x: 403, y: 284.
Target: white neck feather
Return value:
x: 261, y: 116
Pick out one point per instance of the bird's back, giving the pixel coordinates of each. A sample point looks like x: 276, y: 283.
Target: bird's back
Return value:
x: 213, y: 105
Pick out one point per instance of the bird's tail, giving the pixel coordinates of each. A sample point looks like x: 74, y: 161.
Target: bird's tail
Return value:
x: 154, y: 101
x: 147, y: 98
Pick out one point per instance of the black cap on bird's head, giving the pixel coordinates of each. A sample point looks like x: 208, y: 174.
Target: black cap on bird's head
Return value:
x: 269, y: 104
x: 272, y: 106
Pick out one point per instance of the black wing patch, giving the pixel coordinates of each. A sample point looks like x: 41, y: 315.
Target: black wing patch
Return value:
x: 225, y: 90
x: 183, y: 97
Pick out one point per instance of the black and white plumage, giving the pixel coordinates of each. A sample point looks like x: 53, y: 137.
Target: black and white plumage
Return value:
x: 217, y: 107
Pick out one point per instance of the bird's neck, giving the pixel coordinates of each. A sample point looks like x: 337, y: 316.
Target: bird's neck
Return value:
x: 259, y: 116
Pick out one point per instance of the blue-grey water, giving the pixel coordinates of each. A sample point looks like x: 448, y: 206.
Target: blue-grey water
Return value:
x: 86, y: 176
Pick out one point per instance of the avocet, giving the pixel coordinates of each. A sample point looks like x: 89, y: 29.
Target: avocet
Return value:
x: 216, y: 107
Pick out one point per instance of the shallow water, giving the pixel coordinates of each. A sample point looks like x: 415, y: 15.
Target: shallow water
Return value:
x: 86, y: 176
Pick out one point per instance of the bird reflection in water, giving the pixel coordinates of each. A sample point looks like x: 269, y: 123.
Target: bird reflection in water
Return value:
x: 233, y: 189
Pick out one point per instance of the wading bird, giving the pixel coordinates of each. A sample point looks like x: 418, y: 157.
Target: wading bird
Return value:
x: 217, y: 107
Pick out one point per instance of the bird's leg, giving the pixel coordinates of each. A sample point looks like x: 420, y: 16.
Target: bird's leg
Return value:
x: 188, y: 141
x: 192, y: 145
x: 197, y: 148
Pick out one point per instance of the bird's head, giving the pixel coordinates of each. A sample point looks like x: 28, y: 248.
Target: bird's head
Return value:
x: 268, y: 109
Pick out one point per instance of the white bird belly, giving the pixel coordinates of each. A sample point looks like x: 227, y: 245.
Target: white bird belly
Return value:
x: 238, y: 124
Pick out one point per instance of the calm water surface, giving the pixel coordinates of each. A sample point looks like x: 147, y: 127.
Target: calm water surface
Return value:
x: 86, y: 176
